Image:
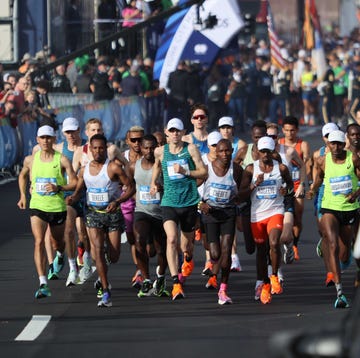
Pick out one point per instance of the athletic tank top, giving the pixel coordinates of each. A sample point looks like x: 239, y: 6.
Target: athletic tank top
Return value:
x: 235, y: 146
x: 295, y: 169
x: 248, y: 157
x: 43, y: 173
x: 179, y: 190
x: 100, y: 190
x: 266, y: 200
x: 201, y: 144
x: 220, y: 191
x: 146, y: 203
x: 339, y: 181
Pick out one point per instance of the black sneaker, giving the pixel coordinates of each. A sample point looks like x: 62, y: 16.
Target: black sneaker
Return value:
x: 146, y: 289
x: 160, y: 287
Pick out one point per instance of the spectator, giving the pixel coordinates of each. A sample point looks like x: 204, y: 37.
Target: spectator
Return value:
x: 100, y: 85
x: 60, y: 82
x: 131, y: 84
x: 83, y: 80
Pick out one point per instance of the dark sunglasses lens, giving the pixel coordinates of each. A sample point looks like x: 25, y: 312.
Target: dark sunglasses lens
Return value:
x: 134, y: 140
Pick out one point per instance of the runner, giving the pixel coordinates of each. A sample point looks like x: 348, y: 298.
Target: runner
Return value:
x: 46, y: 169
x: 339, y: 170
x: 219, y: 214
x: 181, y: 165
x: 102, y: 179
x: 263, y: 181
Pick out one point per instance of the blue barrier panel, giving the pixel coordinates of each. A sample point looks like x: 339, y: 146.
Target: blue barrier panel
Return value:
x: 9, y: 144
x: 28, y: 130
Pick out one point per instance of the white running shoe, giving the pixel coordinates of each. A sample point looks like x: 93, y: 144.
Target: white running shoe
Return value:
x: 72, y: 278
x: 85, y: 273
x: 235, y: 263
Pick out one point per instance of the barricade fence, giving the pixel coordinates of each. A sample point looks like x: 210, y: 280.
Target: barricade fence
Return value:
x: 117, y: 116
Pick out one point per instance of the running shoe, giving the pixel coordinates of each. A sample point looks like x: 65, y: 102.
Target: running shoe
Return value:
x: 341, y: 302
x: 207, y: 269
x: 137, y: 280
x: 197, y: 235
x: 105, y: 300
x: 51, y: 274
x: 212, y: 283
x: 43, y: 291
x: 346, y: 264
x: 258, y: 288
x: 58, y: 264
x: 80, y: 254
x: 177, y: 292
x: 318, y: 248
x: 146, y: 289
x: 224, y: 299
x: 296, y: 253
x: 265, y: 296
x: 84, y: 274
x: 72, y: 278
x: 235, y: 263
x: 159, y: 287
x: 276, y: 287
x: 99, y: 289
x: 187, y: 267
x: 280, y: 275
x: 330, y: 281
x: 289, y: 254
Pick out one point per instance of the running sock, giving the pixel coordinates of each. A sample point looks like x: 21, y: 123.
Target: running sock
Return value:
x: 187, y: 257
x: 223, y: 287
x: 296, y: 240
x: 338, y: 287
x: 72, y: 264
x: 42, y: 280
x: 175, y: 279
x: 87, y: 258
x: 59, y: 254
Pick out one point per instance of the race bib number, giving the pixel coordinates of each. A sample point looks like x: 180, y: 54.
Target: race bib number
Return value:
x: 219, y: 193
x: 341, y: 185
x: 295, y: 173
x: 170, y: 168
x: 267, y: 190
x: 40, y: 184
x: 146, y: 198
x: 98, y: 197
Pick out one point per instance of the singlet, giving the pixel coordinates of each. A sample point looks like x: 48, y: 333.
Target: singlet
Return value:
x: 282, y: 154
x: 200, y: 188
x: 100, y: 190
x: 294, y: 169
x: 85, y: 157
x: 146, y: 203
x: 220, y: 191
x: 248, y: 157
x: 234, y: 144
x: 307, y: 79
x: 266, y: 200
x: 43, y: 173
x: 179, y: 190
x: 340, y: 180
x: 201, y: 144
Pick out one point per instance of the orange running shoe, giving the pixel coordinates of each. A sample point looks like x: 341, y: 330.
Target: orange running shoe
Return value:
x: 187, y: 267
x: 265, y: 296
x: 276, y: 287
x: 212, y: 282
x: 197, y: 234
x: 296, y: 253
x: 177, y: 292
x: 330, y: 281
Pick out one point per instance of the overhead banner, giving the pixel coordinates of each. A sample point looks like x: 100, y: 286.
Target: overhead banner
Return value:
x: 185, y: 39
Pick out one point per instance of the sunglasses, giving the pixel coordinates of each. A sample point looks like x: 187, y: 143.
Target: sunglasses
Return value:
x: 273, y: 136
x: 200, y: 116
x: 213, y: 145
x: 134, y: 140
x: 172, y: 130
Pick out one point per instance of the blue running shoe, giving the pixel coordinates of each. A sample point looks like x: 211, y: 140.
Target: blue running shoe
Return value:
x: 346, y: 264
x: 52, y: 275
x: 58, y: 264
x: 43, y: 291
x: 341, y: 302
x: 105, y: 300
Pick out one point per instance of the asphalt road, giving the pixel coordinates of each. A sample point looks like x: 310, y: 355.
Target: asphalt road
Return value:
x: 154, y: 327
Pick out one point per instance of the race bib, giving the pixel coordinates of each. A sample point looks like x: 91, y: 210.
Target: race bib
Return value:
x: 170, y: 168
x: 267, y: 190
x: 40, y: 184
x: 295, y: 173
x: 146, y: 198
x: 98, y: 197
x: 219, y: 193
x: 341, y: 185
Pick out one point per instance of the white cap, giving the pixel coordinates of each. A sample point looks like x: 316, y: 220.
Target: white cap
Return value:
x: 266, y: 143
x: 46, y: 131
x: 214, y: 138
x: 302, y: 53
x: 175, y: 123
x: 337, y: 136
x: 226, y: 121
x: 328, y: 128
x: 70, y: 124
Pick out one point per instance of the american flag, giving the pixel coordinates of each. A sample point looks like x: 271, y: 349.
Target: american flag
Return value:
x: 276, y: 59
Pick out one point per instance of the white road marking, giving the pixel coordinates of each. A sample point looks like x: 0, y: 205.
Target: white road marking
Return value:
x: 34, y: 328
